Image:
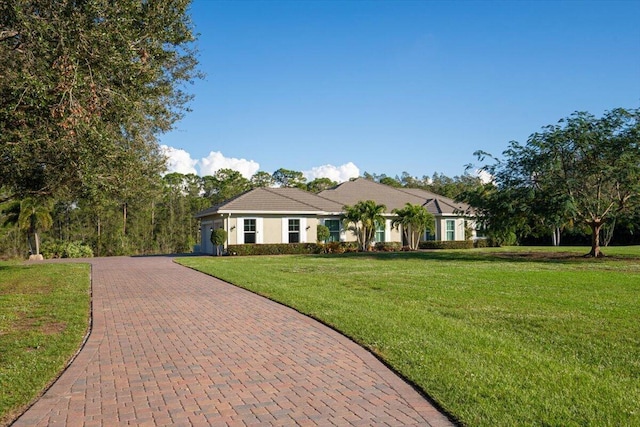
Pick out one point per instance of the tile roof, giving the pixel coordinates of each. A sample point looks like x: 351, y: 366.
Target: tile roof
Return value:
x: 350, y: 192
x: 294, y: 200
x: 275, y: 200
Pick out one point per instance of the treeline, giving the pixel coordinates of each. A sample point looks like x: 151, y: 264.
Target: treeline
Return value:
x: 157, y: 215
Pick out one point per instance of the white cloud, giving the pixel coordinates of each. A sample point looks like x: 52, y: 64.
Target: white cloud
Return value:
x: 335, y: 173
x: 216, y: 161
x: 178, y: 160
x: 484, y: 176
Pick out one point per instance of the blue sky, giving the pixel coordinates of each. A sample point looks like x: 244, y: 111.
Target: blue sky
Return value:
x: 338, y: 88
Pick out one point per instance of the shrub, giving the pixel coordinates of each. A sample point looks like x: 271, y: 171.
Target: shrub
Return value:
x: 388, y: 246
x: 323, y: 233
x: 341, y: 247
x: 58, y: 249
x: 448, y: 244
x: 275, y: 249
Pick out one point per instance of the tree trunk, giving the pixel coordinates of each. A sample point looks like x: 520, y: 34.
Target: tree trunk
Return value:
x: 37, y: 242
x: 595, y: 239
x: 555, y: 237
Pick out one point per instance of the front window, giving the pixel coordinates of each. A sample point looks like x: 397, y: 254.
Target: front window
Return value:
x: 451, y: 229
x: 379, y: 232
x: 334, y: 229
x: 249, y: 230
x: 294, y: 231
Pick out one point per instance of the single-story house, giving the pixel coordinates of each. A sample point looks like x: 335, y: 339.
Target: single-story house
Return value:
x: 291, y: 215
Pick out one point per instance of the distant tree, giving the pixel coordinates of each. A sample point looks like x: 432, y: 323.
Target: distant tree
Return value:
x: 320, y: 184
x: 362, y: 219
x: 588, y: 167
x: 262, y: 179
x: 414, y: 221
x: 288, y: 178
x: 224, y: 184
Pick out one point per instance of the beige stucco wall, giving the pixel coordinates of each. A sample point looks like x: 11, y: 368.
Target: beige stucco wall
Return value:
x: 441, y: 228
x: 270, y: 229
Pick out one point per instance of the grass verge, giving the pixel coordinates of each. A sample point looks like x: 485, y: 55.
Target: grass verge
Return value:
x: 514, y: 336
x: 44, y: 316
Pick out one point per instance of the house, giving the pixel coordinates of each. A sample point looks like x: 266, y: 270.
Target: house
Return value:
x: 291, y: 215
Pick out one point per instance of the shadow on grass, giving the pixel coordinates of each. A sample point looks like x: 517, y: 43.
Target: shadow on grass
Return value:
x: 566, y: 257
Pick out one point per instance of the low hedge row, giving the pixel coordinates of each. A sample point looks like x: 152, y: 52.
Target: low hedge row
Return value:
x: 275, y: 249
x: 342, y: 247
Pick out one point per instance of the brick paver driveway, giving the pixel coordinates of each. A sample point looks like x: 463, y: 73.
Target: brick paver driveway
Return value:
x: 171, y: 346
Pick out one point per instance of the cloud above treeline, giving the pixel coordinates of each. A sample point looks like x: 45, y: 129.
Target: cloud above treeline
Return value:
x: 180, y: 161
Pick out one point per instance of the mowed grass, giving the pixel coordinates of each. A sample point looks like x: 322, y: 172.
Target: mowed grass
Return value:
x: 44, y: 316
x: 514, y: 336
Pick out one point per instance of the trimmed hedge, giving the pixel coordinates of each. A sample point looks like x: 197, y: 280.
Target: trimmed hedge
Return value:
x: 275, y: 249
x: 387, y: 246
x: 449, y: 244
x: 340, y: 247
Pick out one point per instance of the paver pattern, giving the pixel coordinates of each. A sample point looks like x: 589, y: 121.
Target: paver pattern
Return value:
x: 171, y: 346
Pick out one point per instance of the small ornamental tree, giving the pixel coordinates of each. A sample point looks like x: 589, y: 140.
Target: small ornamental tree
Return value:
x: 362, y: 219
x: 414, y: 220
x: 218, y: 238
x: 323, y: 233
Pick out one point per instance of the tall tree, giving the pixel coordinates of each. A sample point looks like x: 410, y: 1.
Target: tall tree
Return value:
x: 589, y: 167
x: 362, y: 219
x: 320, y: 184
x: 289, y: 178
x: 262, y: 179
x: 86, y: 87
x: 414, y: 220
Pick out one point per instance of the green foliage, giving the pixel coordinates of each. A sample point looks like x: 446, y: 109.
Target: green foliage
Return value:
x: 289, y: 178
x: 498, y: 337
x: 275, y: 249
x: 323, y: 233
x: 340, y: 247
x: 59, y: 249
x: 262, y: 179
x: 387, y: 246
x: 362, y: 219
x: 583, y: 169
x: 414, y: 221
x: 218, y: 238
x: 320, y: 184
x: 44, y: 316
x: 86, y: 88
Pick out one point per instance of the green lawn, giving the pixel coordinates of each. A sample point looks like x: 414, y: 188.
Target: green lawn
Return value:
x: 513, y: 336
x: 44, y: 315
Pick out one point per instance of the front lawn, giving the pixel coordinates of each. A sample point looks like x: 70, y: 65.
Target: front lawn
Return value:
x: 514, y: 336
x: 44, y: 315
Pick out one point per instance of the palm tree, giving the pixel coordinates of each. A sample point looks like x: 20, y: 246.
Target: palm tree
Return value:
x: 30, y: 215
x: 362, y: 219
x: 414, y: 220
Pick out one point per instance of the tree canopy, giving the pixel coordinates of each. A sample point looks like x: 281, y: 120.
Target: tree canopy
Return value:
x: 583, y: 169
x: 362, y: 219
x: 414, y: 221
x: 86, y: 87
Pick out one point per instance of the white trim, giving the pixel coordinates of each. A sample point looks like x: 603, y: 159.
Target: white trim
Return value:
x: 303, y: 230
x: 285, y: 230
x: 259, y: 232
x: 387, y: 230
